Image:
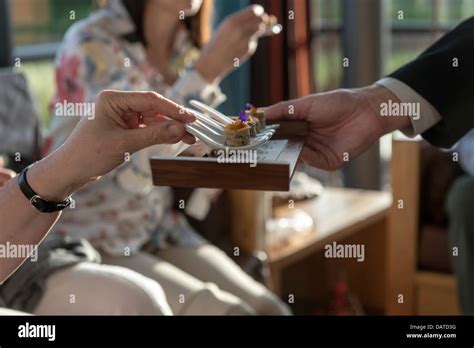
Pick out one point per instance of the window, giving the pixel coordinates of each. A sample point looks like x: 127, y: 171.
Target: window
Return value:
x: 326, y: 45
x: 38, y: 27
x: 416, y: 24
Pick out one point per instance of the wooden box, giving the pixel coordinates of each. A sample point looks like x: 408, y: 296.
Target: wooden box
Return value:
x: 197, y: 166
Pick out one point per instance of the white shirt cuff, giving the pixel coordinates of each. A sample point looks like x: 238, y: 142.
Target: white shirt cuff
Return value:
x: 428, y: 116
x: 191, y: 85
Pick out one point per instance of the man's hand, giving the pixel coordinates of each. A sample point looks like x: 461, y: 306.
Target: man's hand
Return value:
x: 342, y: 123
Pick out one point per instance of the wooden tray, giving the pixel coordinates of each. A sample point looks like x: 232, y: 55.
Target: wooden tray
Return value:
x: 195, y: 167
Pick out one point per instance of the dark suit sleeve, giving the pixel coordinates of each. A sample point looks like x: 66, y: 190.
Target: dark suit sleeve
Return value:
x: 448, y: 88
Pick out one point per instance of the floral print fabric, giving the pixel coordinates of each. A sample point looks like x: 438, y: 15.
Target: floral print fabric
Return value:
x: 123, y: 210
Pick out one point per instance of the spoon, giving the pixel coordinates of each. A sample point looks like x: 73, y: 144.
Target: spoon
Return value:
x: 216, y: 142
x: 219, y: 127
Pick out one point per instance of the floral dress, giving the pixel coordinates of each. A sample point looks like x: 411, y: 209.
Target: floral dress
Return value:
x: 123, y: 210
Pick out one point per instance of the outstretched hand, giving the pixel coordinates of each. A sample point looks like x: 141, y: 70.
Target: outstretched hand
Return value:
x: 123, y: 123
x: 342, y: 124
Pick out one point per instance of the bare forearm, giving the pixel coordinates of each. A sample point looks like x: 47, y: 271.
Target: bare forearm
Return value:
x: 22, y: 224
x: 94, y: 148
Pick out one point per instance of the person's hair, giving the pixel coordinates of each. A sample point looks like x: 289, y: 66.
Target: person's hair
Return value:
x: 199, y: 25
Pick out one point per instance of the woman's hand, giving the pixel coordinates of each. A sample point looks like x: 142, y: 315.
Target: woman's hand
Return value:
x: 96, y: 146
x: 236, y: 38
x: 101, y: 144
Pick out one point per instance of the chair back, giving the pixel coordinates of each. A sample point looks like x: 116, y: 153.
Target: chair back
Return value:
x: 20, y: 135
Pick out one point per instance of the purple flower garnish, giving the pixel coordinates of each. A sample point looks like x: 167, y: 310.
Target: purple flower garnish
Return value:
x: 243, y: 116
x: 249, y: 106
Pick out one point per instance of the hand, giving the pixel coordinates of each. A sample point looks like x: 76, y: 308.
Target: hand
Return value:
x: 236, y: 37
x: 341, y: 123
x: 99, y: 145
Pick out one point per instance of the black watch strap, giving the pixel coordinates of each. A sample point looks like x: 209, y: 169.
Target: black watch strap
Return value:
x: 36, y: 200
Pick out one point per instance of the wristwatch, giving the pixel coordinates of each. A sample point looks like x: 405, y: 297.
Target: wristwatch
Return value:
x: 36, y: 200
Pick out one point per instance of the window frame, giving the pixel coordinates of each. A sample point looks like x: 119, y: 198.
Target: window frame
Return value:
x: 5, y: 34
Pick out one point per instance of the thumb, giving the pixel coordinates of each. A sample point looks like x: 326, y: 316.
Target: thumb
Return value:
x: 166, y: 132
x: 296, y: 109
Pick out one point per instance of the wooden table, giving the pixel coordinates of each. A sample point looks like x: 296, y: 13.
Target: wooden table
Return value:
x: 345, y: 216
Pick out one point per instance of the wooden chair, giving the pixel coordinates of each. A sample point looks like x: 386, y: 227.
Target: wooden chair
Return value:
x: 423, y: 292
x: 20, y: 135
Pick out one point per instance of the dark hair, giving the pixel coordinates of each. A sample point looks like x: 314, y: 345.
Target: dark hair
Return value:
x: 199, y: 25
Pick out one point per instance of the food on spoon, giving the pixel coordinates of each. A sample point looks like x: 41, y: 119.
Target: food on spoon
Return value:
x: 257, y: 114
x: 237, y: 134
x: 252, y: 122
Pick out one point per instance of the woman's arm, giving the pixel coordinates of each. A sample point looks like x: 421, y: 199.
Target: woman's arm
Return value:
x: 234, y: 42
x: 21, y: 223
x: 95, y: 147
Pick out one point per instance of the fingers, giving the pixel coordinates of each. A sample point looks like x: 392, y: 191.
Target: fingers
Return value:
x: 250, y: 12
x: 5, y: 175
x: 253, y: 21
x: 250, y: 20
x: 188, y: 139
x: 258, y: 10
x: 145, y: 102
x: 312, y: 158
x: 297, y: 109
x: 166, y: 132
x: 318, y: 159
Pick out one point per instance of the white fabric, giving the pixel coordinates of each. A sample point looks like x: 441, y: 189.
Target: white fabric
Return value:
x: 6, y: 311
x: 186, y: 272
x: 465, y: 149
x: 429, y: 116
x: 92, y: 289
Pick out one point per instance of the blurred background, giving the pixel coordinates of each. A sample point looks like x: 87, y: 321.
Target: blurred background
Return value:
x: 325, y: 44
x: 328, y: 30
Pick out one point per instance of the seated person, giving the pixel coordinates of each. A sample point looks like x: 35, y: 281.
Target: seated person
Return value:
x: 66, y: 277
x: 460, y: 209
x: 143, y: 45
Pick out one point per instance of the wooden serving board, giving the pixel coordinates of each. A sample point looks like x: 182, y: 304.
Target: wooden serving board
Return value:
x: 198, y: 167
